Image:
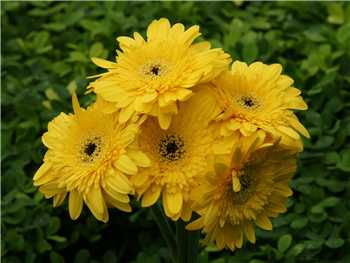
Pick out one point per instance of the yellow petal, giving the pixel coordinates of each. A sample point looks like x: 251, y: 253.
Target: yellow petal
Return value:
x: 239, y: 240
x: 210, y: 215
x: 118, y: 182
x: 58, y: 199
x: 186, y: 212
x: 127, y: 136
x: 236, y: 156
x: 95, y: 201
x: 297, y: 103
x: 172, y: 202
x: 183, y: 94
x: 169, y: 109
x: 250, y: 233
x: 75, y: 204
x: 283, y: 189
x: 177, y: 29
x: 151, y: 196
x: 138, y: 38
x: 103, y: 63
x: 150, y: 97
x: 126, y: 113
x: 196, y: 224
x: 288, y: 131
x: 236, y: 185
x: 126, y: 165
x: 164, y: 120
x: 139, y: 158
x: 190, y: 34
x: 50, y: 189
x: 75, y: 103
x: 116, y: 194
x: 140, y: 179
x: 158, y: 29
x: 125, y: 207
x: 299, y: 127
x: 263, y: 222
x: 41, y: 176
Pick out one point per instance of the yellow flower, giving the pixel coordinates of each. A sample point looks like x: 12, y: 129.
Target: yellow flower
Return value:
x: 152, y: 76
x: 258, y: 97
x: 89, y: 156
x: 252, y: 188
x: 178, y: 157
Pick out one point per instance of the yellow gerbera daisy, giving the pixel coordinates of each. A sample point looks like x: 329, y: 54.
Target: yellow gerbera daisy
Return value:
x: 247, y: 192
x: 89, y: 156
x: 152, y: 76
x: 178, y: 158
x: 258, y: 97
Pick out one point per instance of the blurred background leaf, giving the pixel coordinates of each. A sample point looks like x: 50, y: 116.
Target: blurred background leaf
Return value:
x: 46, y: 50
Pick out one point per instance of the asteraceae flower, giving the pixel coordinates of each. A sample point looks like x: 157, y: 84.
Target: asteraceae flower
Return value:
x: 89, y: 157
x: 252, y: 188
x: 258, y: 97
x: 152, y: 76
x: 178, y: 157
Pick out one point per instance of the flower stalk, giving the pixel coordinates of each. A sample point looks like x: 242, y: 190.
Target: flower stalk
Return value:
x: 187, y: 243
x: 166, y: 230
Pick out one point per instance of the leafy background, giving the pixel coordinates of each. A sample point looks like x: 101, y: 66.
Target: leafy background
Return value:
x: 45, y: 54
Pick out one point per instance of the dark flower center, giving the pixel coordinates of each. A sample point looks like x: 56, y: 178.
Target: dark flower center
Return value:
x: 247, y: 181
x: 248, y: 102
x: 155, y: 70
x: 90, y: 148
x: 171, y: 147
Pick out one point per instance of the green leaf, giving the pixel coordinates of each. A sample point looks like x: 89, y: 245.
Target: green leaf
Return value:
x: 256, y: 261
x: 56, y: 258
x: 250, y: 49
x: 43, y: 245
x: 57, y: 27
x: 330, y: 201
x: 76, y: 56
x: 54, y: 226
x: 51, y: 94
x: 295, y: 250
x: 284, y: 242
x: 313, y: 244
x: 72, y: 87
x: 343, y: 34
x: 335, y: 242
x: 332, y: 157
x: 82, y: 256
x: 96, y: 50
x: 335, y: 13
x: 299, y: 223
x: 344, y: 162
x: 57, y: 238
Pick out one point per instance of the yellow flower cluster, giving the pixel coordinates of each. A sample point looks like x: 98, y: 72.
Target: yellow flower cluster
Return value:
x: 171, y: 121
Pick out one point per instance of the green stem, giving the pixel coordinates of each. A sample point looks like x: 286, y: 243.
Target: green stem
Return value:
x: 192, y: 249
x: 165, y: 229
x: 187, y: 244
x: 181, y: 241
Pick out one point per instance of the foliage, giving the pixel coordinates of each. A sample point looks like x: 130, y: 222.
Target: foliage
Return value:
x: 46, y: 50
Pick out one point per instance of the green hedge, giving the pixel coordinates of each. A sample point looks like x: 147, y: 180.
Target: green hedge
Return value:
x: 45, y: 52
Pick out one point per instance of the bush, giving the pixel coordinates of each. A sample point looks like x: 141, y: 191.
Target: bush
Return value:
x: 46, y: 50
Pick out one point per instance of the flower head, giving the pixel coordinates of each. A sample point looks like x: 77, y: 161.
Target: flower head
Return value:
x: 152, y: 76
x: 89, y: 157
x: 258, y: 97
x: 245, y: 191
x: 178, y: 158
